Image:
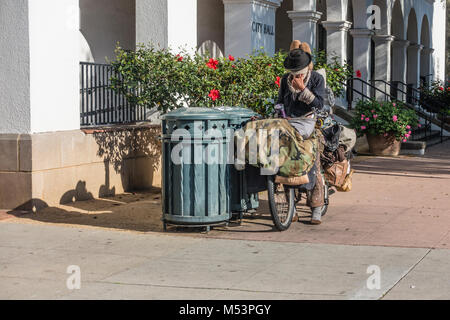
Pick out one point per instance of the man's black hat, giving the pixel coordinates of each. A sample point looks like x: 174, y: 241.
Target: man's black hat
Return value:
x: 297, y: 59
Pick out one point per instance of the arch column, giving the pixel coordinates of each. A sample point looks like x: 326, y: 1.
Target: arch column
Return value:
x: 382, y: 61
x: 337, y: 39
x: 399, y: 60
x: 304, y: 25
x: 361, y: 57
x: 426, y: 62
x: 413, y: 75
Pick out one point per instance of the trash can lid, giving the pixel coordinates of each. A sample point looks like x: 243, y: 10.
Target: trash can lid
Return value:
x: 195, y: 113
x: 237, y: 111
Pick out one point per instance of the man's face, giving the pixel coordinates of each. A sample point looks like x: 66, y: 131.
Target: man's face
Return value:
x: 301, y: 74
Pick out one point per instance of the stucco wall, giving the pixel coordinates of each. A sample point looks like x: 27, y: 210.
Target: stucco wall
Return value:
x: 182, y: 24
x: 106, y: 22
x: 14, y: 67
x: 438, y: 25
x: 151, y: 22
x: 54, y: 65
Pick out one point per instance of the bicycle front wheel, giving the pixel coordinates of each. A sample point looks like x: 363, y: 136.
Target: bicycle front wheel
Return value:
x: 281, y: 203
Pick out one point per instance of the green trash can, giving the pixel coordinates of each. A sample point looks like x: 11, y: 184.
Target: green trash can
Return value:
x: 195, y: 188
x: 241, y: 200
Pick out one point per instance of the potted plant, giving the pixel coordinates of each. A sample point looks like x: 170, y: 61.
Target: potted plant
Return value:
x: 385, y: 124
x: 437, y: 98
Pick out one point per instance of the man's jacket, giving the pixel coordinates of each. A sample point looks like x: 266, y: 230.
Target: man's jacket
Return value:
x: 298, y: 105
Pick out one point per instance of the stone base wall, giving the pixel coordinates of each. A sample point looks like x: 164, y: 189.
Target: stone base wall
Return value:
x: 39, y: 170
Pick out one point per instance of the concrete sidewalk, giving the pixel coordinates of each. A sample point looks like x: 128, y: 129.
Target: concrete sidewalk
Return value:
x: 402, y: 202
x: 126, y: 265
x: 396, y: 218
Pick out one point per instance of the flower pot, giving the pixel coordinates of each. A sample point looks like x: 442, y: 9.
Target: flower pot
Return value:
x: 383, y: 146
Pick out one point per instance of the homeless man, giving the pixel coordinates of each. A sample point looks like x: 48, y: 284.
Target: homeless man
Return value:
x: 301, y: 93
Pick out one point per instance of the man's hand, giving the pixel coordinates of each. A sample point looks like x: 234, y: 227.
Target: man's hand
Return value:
x: 298, y: 83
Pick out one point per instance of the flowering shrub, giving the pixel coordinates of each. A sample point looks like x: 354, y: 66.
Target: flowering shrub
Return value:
x: 437, y: 96
x: 336, y: 74
x: 158, y: 78
x: 391, y: 119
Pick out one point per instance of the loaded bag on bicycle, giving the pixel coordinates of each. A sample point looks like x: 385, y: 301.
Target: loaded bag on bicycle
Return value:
x: 305, y: 182
x: 296, y: 155
x: 338, y: 144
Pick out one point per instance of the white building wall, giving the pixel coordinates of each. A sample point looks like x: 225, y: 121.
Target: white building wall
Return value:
x: 436, y: 13
x: 151, y: 22
x: 438, y: 29
x: 182, y: 24
x: 54, y: 65
x: 238, y: 19
x: 14, y: 67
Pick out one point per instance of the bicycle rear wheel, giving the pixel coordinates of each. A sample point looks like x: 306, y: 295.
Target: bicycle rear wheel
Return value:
x: 281, y: 203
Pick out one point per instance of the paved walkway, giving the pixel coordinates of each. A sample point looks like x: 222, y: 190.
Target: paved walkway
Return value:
x: 397, y: 218
x: 123, y: 265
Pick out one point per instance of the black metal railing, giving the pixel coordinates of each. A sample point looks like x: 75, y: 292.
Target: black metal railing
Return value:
x: 100, y: 105
x: 431, y: 125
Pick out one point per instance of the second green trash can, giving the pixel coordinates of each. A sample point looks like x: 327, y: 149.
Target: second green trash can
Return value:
x: 241, y: 200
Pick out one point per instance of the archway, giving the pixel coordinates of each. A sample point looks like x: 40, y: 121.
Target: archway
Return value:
x: 103, y: 23
x: 85, y: 50
x: 425, y: 55
x: 385, y: 17
x: 413, y: 59
x: 398, y: 52
x: 211, y: 23
x: 321, y: 6
x: 283, y: 26
x: 381, y: 48
x: 397, y: 22
x: 362, y: 38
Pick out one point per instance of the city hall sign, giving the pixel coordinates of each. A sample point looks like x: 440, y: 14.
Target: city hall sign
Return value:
x: 250, y: 26
x: 263, y: 28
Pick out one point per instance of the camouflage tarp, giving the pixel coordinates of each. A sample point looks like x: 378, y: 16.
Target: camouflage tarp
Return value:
x: 296, y: 155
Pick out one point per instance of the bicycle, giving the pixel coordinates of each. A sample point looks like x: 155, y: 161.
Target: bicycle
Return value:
x: 283, y: 199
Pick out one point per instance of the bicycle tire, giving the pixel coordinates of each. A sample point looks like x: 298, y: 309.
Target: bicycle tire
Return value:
x: 276, y: 200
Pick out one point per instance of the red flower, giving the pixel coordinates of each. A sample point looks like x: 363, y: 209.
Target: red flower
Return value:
x: 358, y: 73
x: 212, y: 64
x: 269, y: 65
x: 233, y: 66
x: 214, y: 94
x: 231, y: 57
x: 441, y: 88
x: 180, y: 58
x: 277, y: 82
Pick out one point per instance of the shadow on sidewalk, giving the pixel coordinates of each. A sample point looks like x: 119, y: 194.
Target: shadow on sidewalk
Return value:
x: 139, y: 211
